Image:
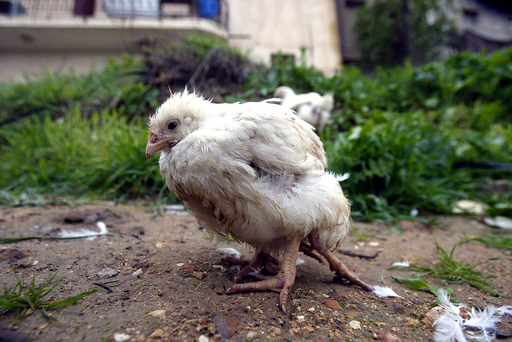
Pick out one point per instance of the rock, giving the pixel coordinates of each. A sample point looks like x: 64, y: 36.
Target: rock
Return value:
x: 388, y: 337
x: 300, y: 319
x: 503, y: 332
x: 203, y: 338
x: 8, y: 253
x: 251, y: 335
x: 199, y: 275
x: 140, y: 338
x: 107, y: 273
x: 354, y: 325
x: 332, y: 304
x: 432, y: 316
x: 138, y: 272
x: 158, y: 333
x: 158, y: 314
x: 226, y: 325
x: 411, y: 322
x: 120, y: 337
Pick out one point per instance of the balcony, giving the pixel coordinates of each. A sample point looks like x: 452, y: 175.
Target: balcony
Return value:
x: 104, y: 26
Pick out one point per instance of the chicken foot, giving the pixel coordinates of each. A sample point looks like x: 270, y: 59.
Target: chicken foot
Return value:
x: 262, y: 262
x: 282, y: 282
x: 335, y: 264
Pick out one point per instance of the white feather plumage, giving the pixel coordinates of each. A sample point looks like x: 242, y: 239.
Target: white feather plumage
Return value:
x: 251, y: 170
x: 230, y: 251
x: 384, y: 291
x: 451, y: 327
x: 85, y: 232
x: 312, y: 107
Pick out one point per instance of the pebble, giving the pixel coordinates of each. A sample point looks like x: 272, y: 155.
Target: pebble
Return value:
x: 7, y: 253
x: 432, y: 316
x: 107, y: 273
x: 300, y: 319
x: 332, y: 304
x: 120, y: 337
x: 250, y: 335
x: 158, y: 314
x: 138, y: 272
x: 158, y: 333
x: 226, y: 325
x: 203, y: 338
x: 355, y: 325
x: 180, y: 264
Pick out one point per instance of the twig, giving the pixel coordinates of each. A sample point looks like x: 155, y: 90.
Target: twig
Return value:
x: 354, y: 254
x: 201, y: 66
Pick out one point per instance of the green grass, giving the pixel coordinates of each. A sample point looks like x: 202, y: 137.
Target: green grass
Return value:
x: 503, y: 240
x: 24, y: 298
x: 102, y: 156
x: 451, y: 271
x: 398, y: 133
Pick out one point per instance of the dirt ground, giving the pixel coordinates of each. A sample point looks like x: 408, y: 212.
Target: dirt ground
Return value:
x: 165, y: 262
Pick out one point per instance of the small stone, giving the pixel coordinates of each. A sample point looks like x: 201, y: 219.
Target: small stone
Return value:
x: 199, y: 275
x: 203, y: 338
x: 388, y: 337
x: 311, y: 309
x: 120, y: 337
x: 180, y: 264
x: 432, y: 316
x: 354, y: 325
x: 35, y: 262
x: 140, y: 338
x: 251, y: 335
x: 158, y: 314
x: 158, y: 333
x: 107, y: 273
x: 300, y: 318
x: 332, y: 304
x: 411, y: 322
x: 7, y: 253
x: 159, y: 244
x: 138, y: 272
x: 226, y: 325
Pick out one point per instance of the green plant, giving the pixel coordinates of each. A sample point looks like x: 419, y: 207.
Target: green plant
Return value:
x: 451, y: 271
x: 388, y: 31
x: 26, y: 298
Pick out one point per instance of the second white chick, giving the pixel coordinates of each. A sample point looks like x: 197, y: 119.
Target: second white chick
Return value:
x: 312, y: 107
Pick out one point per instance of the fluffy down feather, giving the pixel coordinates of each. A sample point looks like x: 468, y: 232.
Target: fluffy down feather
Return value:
x: 251, y: 170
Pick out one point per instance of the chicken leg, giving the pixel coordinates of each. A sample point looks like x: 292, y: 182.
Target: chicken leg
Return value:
x: 335, y: 264
x: 282, y: 282
x: 261, y: 261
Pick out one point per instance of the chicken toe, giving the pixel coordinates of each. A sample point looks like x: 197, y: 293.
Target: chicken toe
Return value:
x: 335, y: 264
x: 282, y: 282
x: 261, y: 265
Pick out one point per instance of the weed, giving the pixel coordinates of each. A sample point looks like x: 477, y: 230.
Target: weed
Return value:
x: 360, y: 235
x: 26, y: 298
x: 451, y: 271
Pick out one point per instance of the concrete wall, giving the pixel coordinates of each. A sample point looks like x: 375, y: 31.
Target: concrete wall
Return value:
x: 265, y: 27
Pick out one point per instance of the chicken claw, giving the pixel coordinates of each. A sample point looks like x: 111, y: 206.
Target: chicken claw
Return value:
x: 261, y: 263
x: 282, y: 282
x: 335, y: 264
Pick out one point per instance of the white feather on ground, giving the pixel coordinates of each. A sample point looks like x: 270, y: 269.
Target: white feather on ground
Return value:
x: 230, y: 251
x: 452, y: 327
x: 400, y: 264
x: 67, y: 234
x: 384, y: 291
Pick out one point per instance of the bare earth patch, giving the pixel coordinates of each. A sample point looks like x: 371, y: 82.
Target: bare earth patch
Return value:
x: 171, y: 281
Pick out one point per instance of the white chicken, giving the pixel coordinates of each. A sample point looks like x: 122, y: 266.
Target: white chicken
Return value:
x: 310, y: 107
x: 257, y: 172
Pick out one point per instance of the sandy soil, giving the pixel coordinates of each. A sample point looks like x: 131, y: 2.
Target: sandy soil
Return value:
x: 165, y: 262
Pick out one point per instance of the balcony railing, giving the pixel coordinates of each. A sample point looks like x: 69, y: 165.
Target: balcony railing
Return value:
x: 216, y: 10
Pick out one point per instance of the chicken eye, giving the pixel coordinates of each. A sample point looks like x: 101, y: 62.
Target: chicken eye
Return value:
x: 172, y: 125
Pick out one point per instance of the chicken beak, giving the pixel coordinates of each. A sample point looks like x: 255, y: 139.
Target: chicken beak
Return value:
x: 154, y: 145
x: 153, y: 148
